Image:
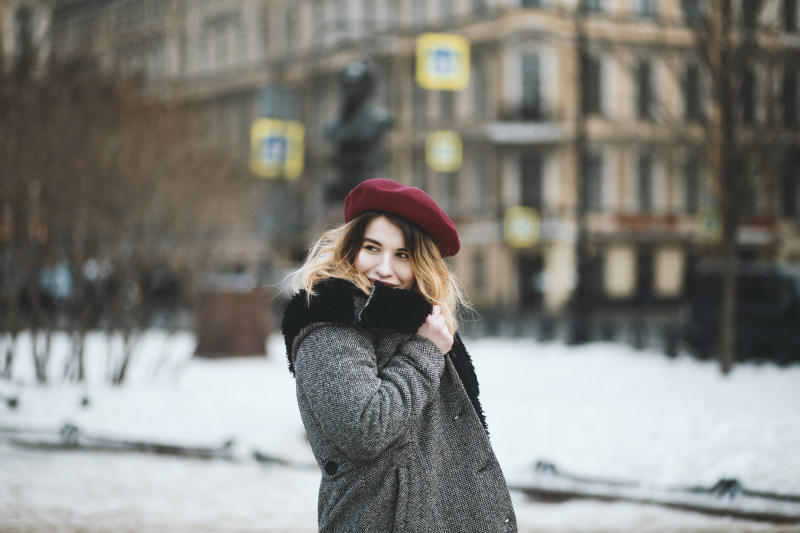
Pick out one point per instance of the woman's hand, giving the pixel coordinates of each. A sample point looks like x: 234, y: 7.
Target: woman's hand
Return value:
x: 436, y: 330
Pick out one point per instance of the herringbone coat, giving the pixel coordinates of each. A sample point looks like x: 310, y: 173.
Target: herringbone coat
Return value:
x: 395, y: 426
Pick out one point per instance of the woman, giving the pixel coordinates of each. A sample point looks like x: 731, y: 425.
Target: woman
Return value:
x: 386, y: 389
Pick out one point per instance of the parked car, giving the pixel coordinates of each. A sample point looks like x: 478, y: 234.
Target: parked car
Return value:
x: 767, y: 318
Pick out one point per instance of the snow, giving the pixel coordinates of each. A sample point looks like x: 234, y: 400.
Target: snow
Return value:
x: 602, y: 410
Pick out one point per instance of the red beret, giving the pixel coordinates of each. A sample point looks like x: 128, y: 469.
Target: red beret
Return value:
x: 410, y: 202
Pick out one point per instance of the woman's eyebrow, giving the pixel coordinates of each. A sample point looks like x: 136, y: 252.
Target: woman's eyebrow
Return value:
x: 373, y: 241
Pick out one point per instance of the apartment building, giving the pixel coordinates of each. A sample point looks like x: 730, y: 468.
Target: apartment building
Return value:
x: 24, y: 30
x: 595, y: 121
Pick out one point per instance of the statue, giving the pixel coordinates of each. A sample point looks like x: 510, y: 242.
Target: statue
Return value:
x: 360, y: 128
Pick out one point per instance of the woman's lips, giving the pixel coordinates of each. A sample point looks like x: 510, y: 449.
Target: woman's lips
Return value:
x: 379, y: 282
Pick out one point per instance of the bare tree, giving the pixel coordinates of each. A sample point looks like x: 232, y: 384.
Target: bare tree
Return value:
x: 734, y: 47
x: 95, y: 173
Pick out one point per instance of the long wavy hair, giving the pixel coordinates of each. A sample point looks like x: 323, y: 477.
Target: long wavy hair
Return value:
x: 333, y: 255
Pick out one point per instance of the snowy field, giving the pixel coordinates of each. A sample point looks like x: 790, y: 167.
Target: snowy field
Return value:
x: 599, y: 410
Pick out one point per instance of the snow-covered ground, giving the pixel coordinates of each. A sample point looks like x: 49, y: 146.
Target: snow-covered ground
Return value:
x: 598, y: 410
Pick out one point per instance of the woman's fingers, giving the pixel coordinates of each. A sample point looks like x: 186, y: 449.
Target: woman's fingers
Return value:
x: 435, y: 329
x: 436, y: 321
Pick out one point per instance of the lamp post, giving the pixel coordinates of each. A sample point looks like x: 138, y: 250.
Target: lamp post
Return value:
x: 579, y: 324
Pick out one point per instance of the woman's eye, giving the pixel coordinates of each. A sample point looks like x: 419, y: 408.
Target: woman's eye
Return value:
x: 370, y: 248
x: 402, y: 255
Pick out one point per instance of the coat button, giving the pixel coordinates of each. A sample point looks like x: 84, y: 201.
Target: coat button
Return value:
x: 331, y: 468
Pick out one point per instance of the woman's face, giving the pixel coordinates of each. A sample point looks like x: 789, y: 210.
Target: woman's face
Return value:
x: 383, y: 256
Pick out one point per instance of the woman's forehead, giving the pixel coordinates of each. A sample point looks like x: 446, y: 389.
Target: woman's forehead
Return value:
x: 386, y: 232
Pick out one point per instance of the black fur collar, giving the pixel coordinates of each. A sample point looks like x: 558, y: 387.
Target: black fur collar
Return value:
x: 385, y: 308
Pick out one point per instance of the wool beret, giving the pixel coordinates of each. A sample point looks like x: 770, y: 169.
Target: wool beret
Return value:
x: 386, y: 195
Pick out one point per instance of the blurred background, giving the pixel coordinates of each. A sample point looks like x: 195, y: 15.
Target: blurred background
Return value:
x: 595, y: 156
x: 619, y: 170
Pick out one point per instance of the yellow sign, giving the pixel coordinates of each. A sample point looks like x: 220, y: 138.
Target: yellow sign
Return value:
x: 277, y: 148
x: 521, y: 226
x: 709, y: 224
x: 442, y: 61
x: 443, y: 151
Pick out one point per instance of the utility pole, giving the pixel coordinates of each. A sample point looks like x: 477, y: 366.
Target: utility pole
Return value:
x: 579, y: 331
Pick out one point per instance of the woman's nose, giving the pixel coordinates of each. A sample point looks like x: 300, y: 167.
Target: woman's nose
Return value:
x: 384, y: 267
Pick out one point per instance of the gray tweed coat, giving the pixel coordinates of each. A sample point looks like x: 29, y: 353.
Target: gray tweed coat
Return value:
x: 396, y: 428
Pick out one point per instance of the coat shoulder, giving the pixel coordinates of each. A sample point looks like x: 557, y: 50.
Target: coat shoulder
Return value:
x: 334, y: 303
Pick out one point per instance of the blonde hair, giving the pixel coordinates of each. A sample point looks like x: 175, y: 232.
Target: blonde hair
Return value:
x: 334, y: 253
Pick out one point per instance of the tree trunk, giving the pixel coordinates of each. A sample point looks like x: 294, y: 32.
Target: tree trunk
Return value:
x: 727, y: 170
x: 727, y: 322
x: 9, y: 357
x: 40, y: 356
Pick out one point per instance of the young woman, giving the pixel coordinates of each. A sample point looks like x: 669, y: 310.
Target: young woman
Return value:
x: 386, y: 389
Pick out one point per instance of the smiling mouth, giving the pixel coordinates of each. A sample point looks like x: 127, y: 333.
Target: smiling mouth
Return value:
x: 379, y: 282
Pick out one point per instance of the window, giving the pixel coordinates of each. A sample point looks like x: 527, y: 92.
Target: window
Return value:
x: 448, y: 191
x: 278, y: 102
x: 531, y: 88
x: 691, y: 93
x: 263, y: 32
x: 419, y: 177
x: 592, y: 185
x: 753, y: 188
x: 789, y: 98
x: 645, y: 184
x: 479, y: 183
x: 369, y: 17
x: 591, y: 88
x: 291, y: 30
x: 313, y: 100
x: 342, y: 19
x: 531, y: 276
x: 392, y: 14
x: 748, y: 97
x: 691, y: 12
x: 644, y: 87
x: 592, y: 6
x: 154, y: 58
x: 531, y: 181
x: 419, y: 104
x: 531, y: 3
x: 749, y: 13
x: 223, y: 39
x: 478, y: 271
x: 23, y: 35
x: 320, y: 28
x: 389, y: 91
x: 447, y: 104
x: 595, y: 272
x: 790, y: 15
x: 418, y: 14
x: 646, y: 8
x: 478, y: 86
x: 790, y: 196
x: 691, y: 186
x: 645, y: 269
x: 447, y: 11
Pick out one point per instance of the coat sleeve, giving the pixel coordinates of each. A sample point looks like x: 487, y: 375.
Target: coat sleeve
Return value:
x: 359, y: 409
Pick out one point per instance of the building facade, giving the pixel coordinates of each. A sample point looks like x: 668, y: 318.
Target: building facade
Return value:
x: 24, y: 33
x: 590, y: 112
